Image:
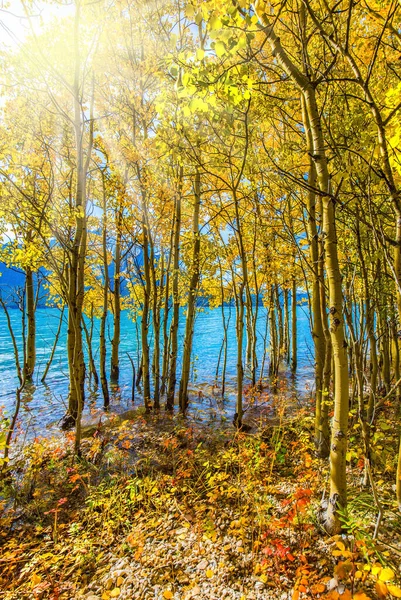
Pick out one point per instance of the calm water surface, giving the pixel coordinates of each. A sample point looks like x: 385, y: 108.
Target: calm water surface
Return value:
x: 44, y: 404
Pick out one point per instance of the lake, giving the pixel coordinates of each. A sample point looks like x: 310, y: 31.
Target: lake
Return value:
x: 44, y: 404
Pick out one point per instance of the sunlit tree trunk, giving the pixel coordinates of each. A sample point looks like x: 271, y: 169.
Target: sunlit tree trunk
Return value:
x: 76, y: 288
x: 338, y: 485
x: 322, y: 441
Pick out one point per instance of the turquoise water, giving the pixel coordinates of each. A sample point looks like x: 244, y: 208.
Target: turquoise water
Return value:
x: 44, y: 404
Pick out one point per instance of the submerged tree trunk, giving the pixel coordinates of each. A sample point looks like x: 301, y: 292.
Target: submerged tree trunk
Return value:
x: 166, y: 339
x: 30, y: 353
x: 274, y: 353
x: 192, y: 293
x: 76, y: 287
x: 176, y: 300
x: 286, y: 326
x: 156, y: 329
x: 89, y: 339
x: 294, y: 344
x: 53, y: 351
x: 115, y: 342
x: 102, y: 349
x: 145, y: 310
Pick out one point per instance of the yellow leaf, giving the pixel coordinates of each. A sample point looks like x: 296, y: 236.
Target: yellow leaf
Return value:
x: 105, y: 596
x: 36, y: 579
x: 263, y: 578
x: 394, y: 590
x: 115, y: 593
x: 220, y: 48
x: 386, y: 575
x: 209, y: 573
x: 167, y: 594
x: 120, y: 581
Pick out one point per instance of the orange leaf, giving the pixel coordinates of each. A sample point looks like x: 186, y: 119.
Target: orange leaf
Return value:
x: 318, y: 588
x: 361, y: 596
x: 381, y: 589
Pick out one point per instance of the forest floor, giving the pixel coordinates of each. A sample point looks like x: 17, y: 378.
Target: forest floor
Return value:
x: 159, y: 507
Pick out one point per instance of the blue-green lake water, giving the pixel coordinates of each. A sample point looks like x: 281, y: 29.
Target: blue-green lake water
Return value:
x: 44, y: 404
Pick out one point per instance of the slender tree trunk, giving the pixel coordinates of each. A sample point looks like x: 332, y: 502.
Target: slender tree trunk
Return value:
x: 115, y: 342
x: 280, y: 321
x: 166, y: 340
x: 338, y: 484
x: 274, y: 353
x: 192, y: 294
x: 76, y: 287
x: 176, y: 300
x: 294, y: 344
x: 286, y: 326
x: 30, y: 353
x: 102, y: 349
x: 89, y: 339
x: 53, y: 351
x: 156, y: 329
x: 145, y: 311
x: 322, y: 441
